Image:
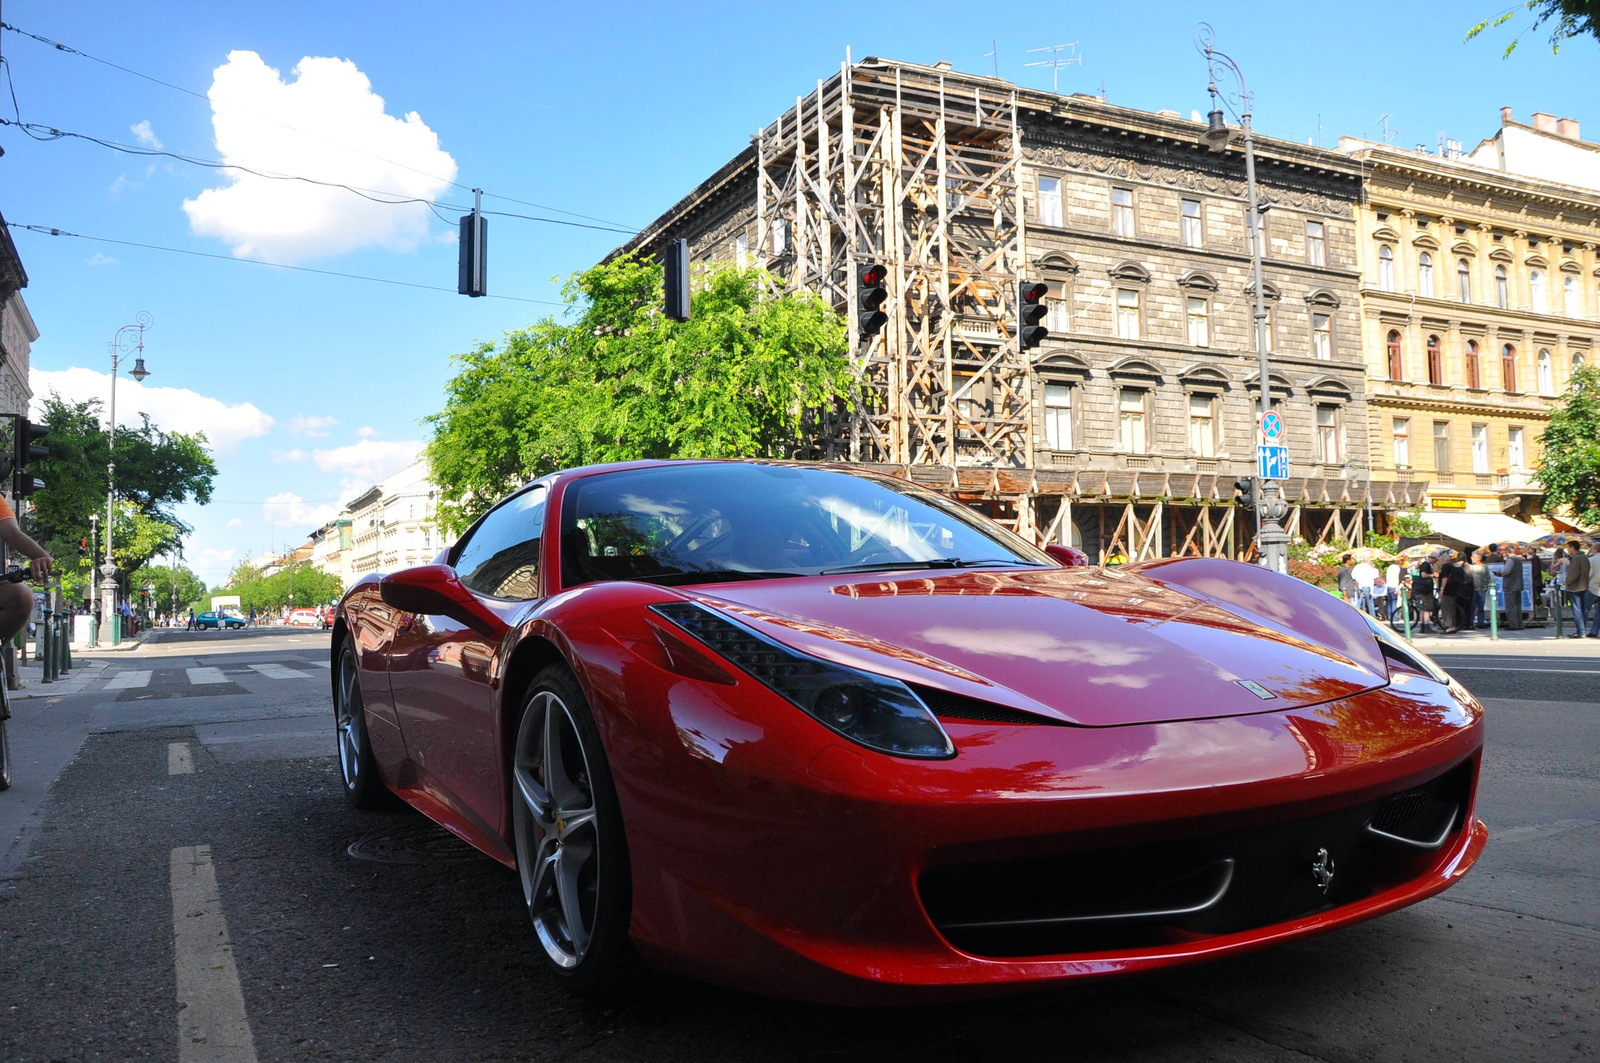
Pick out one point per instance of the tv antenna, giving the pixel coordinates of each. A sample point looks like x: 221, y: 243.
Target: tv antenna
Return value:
x: 996, y: 53
x: 1056, y: 61
x: 1388, y: 134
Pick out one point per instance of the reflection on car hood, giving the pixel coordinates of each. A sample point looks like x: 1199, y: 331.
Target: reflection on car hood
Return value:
x: 1166, y: 641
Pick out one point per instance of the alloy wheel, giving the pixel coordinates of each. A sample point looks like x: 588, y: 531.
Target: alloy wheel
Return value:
x: 557, y: 829
x: 347, y: 721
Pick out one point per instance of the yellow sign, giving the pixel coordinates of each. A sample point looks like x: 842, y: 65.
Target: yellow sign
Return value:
x: 1448, y: 503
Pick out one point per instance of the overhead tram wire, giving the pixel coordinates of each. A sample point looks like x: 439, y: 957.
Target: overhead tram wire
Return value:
x: 70, y: 50
x: 49, y: 230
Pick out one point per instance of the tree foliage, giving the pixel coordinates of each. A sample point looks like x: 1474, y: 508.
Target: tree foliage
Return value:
x: 1570, y: 468
x: 163, y: 580
x: 618, y: 381
x: 295, y: 585
x: 1573, y: 18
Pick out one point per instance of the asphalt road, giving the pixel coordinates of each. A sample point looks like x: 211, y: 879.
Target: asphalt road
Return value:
x: 106, y: 912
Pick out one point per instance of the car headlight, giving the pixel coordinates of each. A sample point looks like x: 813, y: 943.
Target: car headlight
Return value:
x: 1398, y: 649
x: 870, y: 710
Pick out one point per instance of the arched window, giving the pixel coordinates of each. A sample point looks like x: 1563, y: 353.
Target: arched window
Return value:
x: 1386, y: 268
x: 1502, y: 293
x: 1425, y: 275
x: 1508, y: 367
x: 1435, y: 361
x: 1463, y: 281
x: 1536, y: 291
x: 1474, y: 366
x: 1547, y: 380
x: 1569, y: 297
x: 1577, y: 362
x: 1397, y: 365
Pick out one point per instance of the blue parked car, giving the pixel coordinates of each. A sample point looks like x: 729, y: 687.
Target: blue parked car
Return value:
x: 226, y: 621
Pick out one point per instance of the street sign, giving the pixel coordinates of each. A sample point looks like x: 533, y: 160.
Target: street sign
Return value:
x: 1271, y: 425
x: 1272, y: 463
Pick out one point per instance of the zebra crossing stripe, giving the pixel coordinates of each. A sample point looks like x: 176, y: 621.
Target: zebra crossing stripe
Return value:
x: 206, y: 676
x: 129, y: 680
x: 278, y: 671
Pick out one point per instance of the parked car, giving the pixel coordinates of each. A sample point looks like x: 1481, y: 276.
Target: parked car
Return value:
x: 226, y: 621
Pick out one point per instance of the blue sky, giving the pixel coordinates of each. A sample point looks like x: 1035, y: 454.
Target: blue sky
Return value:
x: 314, y: 385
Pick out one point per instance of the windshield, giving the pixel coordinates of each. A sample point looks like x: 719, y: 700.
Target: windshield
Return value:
x: 698, y: 523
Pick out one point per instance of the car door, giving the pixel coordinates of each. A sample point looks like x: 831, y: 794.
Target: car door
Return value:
x: 440, y: 669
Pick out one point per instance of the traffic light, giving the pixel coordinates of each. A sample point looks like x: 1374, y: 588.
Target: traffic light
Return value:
x: 675, y: 277
x: 1031, y: 310
x: 870, y: 295
x: 27, y: 449
x: 1244, y: 493
x: 83, y: 549
x: 472, y: 263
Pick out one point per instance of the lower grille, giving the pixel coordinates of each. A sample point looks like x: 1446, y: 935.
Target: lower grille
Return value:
x: 1180, y: 889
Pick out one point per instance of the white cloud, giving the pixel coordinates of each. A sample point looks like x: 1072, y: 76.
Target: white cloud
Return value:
x: 172, y: 409
x: 311, y: 426
x: 367, y: 432
x: 282, y: 456
x: 339, y: 133
x: 369, y: 460
x: 115, y: 190
x: 288, y: 510
x: 97, y: 259
x: 145, y: 135
x: 236, y: 522
x: 211, y: 563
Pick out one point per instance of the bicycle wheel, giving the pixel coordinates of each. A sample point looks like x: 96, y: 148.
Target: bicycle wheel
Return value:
x: 5, y: 757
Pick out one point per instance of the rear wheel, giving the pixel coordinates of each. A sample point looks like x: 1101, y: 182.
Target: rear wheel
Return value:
x: 356, y: 766
x: 572, y: 854
x: 5, y: 739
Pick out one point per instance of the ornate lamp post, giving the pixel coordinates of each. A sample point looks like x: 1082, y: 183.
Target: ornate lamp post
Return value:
x: 127, y: 338
x: 1270, y: 506
x: 94, y: 586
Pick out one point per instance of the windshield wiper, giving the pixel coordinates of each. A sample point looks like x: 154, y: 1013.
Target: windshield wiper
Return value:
x: 932, y: 562
x: 710, y: 575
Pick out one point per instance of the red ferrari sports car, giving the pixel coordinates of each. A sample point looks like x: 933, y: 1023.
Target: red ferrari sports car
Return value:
x: 821, y: 734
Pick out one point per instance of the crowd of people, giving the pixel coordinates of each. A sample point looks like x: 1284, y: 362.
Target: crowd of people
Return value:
x: 1447, y: 595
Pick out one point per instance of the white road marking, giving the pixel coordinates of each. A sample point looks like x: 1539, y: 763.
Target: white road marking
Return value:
x: 206, y: 676
x: 178, y: 760
x: 129, y: 680
x: 321, y: 664
x: 278, y: 671
x: 212, y: 1026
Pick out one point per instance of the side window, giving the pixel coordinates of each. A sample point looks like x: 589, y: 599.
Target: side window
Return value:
x: 501, y: 557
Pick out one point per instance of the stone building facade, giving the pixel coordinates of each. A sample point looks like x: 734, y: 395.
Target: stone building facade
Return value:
x: 17, y: 330
x: 1480, y: 293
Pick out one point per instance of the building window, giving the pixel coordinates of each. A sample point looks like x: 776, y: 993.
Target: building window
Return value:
x: 1050, y: 201
x: 1502, y: 289
x: 1480, y: 448
x: 741, y: 252
x: 1401, y: 429
x: 1425, y: 275
x: 1202, y: 426
x: 1316, y: 243
x: 1514, y: 447
x: 1127, y: 313
x: 1058, y: 416
x: 1577, y: 362
x: 1199, y: 321
x: 1058, y: 308
x: 1474, y: 366
x: 1386, y: 268
x: 1441, y: 446
x: 1192, y: 235
x: 1536, y: 291
x: 1569, y: 297
x: 1397, y: 362
x: 1547, y: 383
x: 1435, y: 361
x: 1322, y: 336
x: 1463, y: 281
x: 1131, y: 420
x: 1122, y: 211
x: 1508, y: 367
x: 780, y: 236
x: 1328, y: 435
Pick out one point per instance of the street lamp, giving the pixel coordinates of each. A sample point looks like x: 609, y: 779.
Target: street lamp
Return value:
x: 1270, y: 506
x: 94, y: 586
x: 127, y: 338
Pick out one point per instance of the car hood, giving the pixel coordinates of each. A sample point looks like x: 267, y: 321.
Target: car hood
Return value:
x: 1174, y: 640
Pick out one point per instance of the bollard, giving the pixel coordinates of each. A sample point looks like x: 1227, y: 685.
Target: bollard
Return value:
x: 43, y: 647
x: 1405, y: 610
x: 66, y: 644
x: 1494, y: 615
x: 1561, y: 610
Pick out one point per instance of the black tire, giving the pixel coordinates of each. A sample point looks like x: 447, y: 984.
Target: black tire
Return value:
x: 357, y: 768
x: 606, y: 964
x: 5, y: 756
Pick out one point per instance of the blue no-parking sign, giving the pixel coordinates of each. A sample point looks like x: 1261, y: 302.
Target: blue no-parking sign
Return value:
x: 1272, y: 463
x: 1271, y: 425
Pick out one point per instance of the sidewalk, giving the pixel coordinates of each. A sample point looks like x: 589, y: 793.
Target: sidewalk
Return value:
x: 84, y: 671
x: 1528, y: 642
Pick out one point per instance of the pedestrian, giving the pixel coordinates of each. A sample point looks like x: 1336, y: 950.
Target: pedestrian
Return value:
x: 190, y: 625
x: 1364, y: 573
x: 1391, y: 576
x: 1347, y: 580
x: 1422, y: 595
x: 1575, y: 585
x: 1478, y: 572
x: 1449, y: 577
x: 1379, y: 596
x: 1594, y: 590
x: 1511, y: 583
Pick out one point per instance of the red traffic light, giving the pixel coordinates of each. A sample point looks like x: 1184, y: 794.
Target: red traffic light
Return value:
x: 872, y: 276
x: 1033, y: 291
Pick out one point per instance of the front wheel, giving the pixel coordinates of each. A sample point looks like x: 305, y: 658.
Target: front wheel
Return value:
x: 357, y: 767
x: 5, y: 756
x: 572, y: 854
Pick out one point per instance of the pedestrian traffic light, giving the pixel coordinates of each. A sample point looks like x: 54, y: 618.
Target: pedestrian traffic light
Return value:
x: 870, y: 296
x: 1244, y: 493
x: 675, y: 278
x: 26, y: 449
x: 472, y: 262
x: 1031, y: 310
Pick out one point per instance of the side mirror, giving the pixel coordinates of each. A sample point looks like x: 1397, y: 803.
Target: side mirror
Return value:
x: 1066, y: 556
x: 435, y: 590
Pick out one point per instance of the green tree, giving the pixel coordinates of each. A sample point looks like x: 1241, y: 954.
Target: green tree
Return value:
x: 618, y: 381
x: 163, y: 579
x: 1570, y: 468
x: 1573, y: 18
x: 296, y: 585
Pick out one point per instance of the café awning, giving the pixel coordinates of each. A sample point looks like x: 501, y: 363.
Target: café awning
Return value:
x: 1477, y: 529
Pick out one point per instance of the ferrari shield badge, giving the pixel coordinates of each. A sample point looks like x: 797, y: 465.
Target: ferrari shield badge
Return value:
x: 1257, y: 689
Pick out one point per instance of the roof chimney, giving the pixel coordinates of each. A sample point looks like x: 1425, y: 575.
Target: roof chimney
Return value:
x: 1505, y: 116
x: 944, y: 64
x: 1568, y: 127
x: 1544, y: 123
